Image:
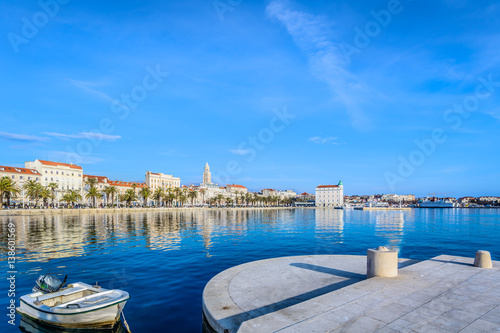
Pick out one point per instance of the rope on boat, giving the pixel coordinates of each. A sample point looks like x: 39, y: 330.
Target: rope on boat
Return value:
x: 124, y: 320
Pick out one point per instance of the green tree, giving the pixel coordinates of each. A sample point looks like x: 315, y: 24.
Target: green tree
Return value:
x: 92, y: 193
x: 111, y: 192
x: 193, y: 195
x: 129, y: 197
x: 158, y: 196
x: 203, y: 191
x: 8, y: 188
x: 33, y: 190
x: 72, y: 197
x: 53, y: 187
x: 145, y: 193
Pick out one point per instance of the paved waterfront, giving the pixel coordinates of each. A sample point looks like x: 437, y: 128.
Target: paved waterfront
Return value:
x: 330, y: 293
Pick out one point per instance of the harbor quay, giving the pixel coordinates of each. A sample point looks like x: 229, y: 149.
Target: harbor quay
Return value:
x: 331, y: 293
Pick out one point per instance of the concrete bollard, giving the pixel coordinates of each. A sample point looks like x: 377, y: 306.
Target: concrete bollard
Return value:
x: 382, y: 262
x: 483, y: 259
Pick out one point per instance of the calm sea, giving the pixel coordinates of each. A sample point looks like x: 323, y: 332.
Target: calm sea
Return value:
x: 165, y: 259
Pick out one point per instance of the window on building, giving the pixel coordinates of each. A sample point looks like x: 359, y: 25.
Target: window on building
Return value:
x: 13, y: 177
x: 20, y: 177
x: 29, y: 178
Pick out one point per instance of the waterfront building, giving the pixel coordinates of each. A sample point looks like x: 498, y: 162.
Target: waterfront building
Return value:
x: 268, y: 192
x: 102, y: 182
x: 330, y: 195
x: 20, y: 176
x: 285, y: 194
x: 160, y: 180
x: 396, y: 198
x: 305, y: 196
x: 233, y: 188
x: 66, y: 176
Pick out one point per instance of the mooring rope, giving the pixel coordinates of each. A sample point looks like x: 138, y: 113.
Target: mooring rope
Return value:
x: 124, y: 320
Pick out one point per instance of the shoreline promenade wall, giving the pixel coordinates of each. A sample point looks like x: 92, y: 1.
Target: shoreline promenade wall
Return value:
x: 84, y: 211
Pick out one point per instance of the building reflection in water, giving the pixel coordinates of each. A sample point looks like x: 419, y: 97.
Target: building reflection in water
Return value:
x: 330, y: 225
x: 390, y: 226
x: 42, y: 238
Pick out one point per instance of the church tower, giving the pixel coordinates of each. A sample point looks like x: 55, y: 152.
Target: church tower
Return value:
x: 207, y: 177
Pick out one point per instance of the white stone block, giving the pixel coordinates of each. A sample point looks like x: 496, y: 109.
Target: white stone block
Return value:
x: 382, y: 262
x: 483, y: 259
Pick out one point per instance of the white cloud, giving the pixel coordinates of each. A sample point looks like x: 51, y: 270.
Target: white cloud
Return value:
x: 85, y: 135
x: 22, y: 137
x: 85, y: 86
x: 321, y: 141
x: 326, y: 60
x: 240, y: 151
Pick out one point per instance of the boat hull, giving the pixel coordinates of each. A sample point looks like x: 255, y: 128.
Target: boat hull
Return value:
x: 101, y: 318
x: 77, y: 306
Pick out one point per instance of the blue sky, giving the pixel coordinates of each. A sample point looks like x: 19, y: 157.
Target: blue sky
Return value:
x: 390, y: 97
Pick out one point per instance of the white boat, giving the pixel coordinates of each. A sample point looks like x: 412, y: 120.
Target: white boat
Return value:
x: 437, y: 203
x: 79, y: 305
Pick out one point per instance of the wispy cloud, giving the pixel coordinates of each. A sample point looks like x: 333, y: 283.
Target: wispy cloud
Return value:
x: 322, y: 141
x: 86, y: 86
x: 85, y: 135
x: 239, y: 151
x: 22, y: 137
x: 326, y: 60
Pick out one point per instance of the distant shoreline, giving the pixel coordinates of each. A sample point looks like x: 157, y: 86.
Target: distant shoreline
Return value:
x: 88, y: 211
x: 85, y: 211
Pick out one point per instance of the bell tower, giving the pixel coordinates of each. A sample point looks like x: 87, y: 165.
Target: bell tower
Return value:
x: 207, y: 177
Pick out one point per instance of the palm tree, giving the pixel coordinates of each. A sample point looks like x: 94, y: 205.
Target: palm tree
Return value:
x: 72, y: 197
x: 8, y: 188
x: 129, y: 196
x: 145, y: 193
x: 193, y: 195
x: 182, y: 199
x: 219, y: 198
x: 170, y: 198
x: 33, y: 190
x: 91, y: 182
x: 203, y: 191
x: 45, y: 194
x: 158, y: 195
x: 53, y: 187
x: 111, y: 191
x: 134, y: 187
x: 92, y: 193
x: 177, y: 192
x: 248, y: 196
x: 228, y: 201
x: 237, y: 193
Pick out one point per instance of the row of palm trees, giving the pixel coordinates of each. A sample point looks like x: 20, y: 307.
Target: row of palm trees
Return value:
x: 250, y: 199
x: 33, y: 189
x: 161, y: 196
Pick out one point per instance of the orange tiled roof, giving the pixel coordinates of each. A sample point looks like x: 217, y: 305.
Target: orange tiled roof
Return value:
x: 73, y: 166
x: 326, y: 186
x: 100, y: 179
x: 19, y: 170
x: 125, y: 184
x: 268, y: 189
x: 238, y: 186
x: 305, y: 193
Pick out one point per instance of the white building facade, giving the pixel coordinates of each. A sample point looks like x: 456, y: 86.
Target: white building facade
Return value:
x: 330, y: 195
x: 66, y: 176
x: 160, y: 180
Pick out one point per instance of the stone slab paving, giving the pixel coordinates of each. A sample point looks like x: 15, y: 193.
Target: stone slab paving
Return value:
x: 330, y: 293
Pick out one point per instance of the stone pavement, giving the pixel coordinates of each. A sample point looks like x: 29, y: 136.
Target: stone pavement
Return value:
x: 330, y: 293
